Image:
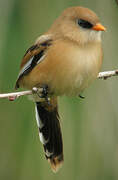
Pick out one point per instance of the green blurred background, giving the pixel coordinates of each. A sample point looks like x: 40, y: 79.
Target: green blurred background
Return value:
x: 90, y: 126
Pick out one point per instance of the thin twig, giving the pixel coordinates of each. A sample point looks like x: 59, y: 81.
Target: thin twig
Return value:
x: 107, y: 74
x: 14, y: 95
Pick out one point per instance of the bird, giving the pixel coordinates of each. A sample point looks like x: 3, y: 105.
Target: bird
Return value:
x: 63, y: 61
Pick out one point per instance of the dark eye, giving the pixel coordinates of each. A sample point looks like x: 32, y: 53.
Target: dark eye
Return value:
x: 85, y: 24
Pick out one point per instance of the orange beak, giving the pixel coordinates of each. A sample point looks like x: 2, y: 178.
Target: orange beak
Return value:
x: 99, y: 27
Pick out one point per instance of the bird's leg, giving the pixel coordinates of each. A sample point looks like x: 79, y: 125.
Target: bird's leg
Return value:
x: 42, y: 92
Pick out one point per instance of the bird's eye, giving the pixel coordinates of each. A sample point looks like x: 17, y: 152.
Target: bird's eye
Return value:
x: 85, y: 24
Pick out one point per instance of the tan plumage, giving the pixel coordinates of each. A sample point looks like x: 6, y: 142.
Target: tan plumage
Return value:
x: 71, y: 55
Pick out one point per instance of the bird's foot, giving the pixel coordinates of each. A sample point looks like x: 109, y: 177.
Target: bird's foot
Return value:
x: 82, y: 97
x: 42, y: 92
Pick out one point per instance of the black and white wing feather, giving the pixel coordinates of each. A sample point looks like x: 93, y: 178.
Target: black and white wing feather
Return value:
x: 33, y: 56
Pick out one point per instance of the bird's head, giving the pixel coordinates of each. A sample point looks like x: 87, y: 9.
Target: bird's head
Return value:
x: 80, y: 25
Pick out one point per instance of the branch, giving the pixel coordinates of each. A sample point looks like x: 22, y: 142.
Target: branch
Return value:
x: 15, y: 95
x: 106, y: 74
x: 12, y: 96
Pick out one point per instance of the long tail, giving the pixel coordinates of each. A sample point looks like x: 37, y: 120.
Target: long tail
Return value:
x: 50, y: 132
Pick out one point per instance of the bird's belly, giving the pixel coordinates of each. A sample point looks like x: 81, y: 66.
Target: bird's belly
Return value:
x: 76, y: 75
x: 73, y: 84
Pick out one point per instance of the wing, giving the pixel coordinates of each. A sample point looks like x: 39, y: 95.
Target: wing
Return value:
x: 33, y: 56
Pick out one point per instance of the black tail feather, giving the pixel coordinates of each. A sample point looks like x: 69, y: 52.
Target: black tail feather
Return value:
x: 50, y: 133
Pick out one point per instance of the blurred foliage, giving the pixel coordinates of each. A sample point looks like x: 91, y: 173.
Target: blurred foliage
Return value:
x: 90, y: 126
